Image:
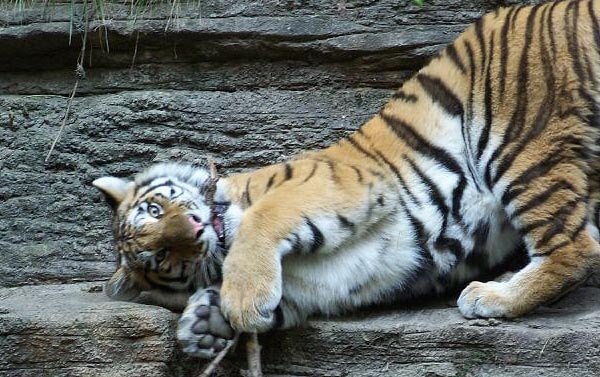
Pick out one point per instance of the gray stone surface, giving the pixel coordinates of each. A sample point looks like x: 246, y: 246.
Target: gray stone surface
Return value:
x: 74, y: 330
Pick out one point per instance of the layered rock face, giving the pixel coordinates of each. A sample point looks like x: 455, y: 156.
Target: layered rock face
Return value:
x: 247, y: 84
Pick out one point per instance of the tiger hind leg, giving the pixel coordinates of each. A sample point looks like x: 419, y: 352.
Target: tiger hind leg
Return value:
x: 550, y: 206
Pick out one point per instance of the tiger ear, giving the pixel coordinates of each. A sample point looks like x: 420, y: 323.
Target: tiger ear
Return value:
x: 122, y: 286
x: 114, y: 189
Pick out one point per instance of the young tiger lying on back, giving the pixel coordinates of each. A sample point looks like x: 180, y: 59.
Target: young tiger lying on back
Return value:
x: 492, y: 145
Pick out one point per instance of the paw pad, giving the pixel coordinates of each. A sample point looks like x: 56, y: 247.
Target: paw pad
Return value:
x: 203, y: 331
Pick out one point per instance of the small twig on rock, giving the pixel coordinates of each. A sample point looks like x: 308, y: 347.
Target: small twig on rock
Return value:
x: 253, y: 351
x: 217, y: 360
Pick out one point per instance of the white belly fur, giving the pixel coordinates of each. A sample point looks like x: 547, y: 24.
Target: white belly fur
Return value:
x: 380, y: 266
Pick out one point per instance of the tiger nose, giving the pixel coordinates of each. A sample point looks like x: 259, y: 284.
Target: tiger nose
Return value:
x: 197, y: 225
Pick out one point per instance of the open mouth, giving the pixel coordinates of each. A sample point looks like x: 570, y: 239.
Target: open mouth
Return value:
x: 218, y: 225
x: 217, y: 221
x: 217, y: 211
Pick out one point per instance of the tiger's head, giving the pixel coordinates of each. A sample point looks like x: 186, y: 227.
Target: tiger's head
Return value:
x: 168, y: 238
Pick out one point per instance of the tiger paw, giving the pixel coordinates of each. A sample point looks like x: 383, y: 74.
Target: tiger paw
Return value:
x: 486, y: 300
x: 250, y: 307
x: 203, y: 331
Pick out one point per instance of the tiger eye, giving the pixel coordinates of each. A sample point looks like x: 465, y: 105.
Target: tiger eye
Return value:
x: 160, y: 255
x: 155, y: 210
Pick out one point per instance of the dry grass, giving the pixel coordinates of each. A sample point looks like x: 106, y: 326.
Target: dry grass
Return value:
x: 102, y: 10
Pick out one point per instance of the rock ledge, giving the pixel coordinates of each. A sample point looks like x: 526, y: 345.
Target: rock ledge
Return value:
x: 74, y: 330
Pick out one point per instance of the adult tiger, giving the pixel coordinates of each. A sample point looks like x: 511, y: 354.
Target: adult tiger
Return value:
x: 490, y: 146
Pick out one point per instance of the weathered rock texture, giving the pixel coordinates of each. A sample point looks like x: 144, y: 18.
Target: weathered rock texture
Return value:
x: 74, y: 330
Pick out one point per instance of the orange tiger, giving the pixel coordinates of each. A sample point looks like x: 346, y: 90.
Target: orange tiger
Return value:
x: 489, y: 150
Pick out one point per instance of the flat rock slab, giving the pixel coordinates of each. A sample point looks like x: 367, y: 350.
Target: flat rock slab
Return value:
x: 74, y: 330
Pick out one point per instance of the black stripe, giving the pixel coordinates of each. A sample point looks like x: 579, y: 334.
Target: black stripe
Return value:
x: 543, y: 114
x: 513, y: 21
x: 421, y: 236
x: 317, y: 236
x: 551, y: 250
x: 481, y: 41
x: 558, y: 222
x: 588, y: 68
x: 542, y: 197
x: 334, y: 175
x: 359, y: 175
x: 526, y: 229
x: 595, y: 26
x: 537, y: 170
x: 441, y: 94
x: 149, y: 189
x: 296, y: 245
x: 270, y: 182
x: 407, y: 133
x: 394, y: 170
x: 579, y: 228
x: 487, y: 102
x: 312, y: 173
x: 555, y: 228
x: 572, y: 40
x: 504, y: 48
x: 551, y: 27
x: 517, y: 120
x: 465, y: 127
x: 246, y: 194
x: 451, y: 244
x: 398, y: 175
x: 345, y: 223
x: 573, y: 46
x: 442, y: 242
x: 457, y: 195
x: 434, y: 193
x: 401, y: 95
x: 469, y: 118
x: 453, y: 55
x: 562, y: 212
x: 362, y: 150
x: 288, y: 171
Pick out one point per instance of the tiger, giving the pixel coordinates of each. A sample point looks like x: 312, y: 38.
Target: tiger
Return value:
x: 486, y: 155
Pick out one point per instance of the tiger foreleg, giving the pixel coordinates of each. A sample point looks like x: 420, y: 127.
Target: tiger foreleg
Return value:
x: 303, y: 220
